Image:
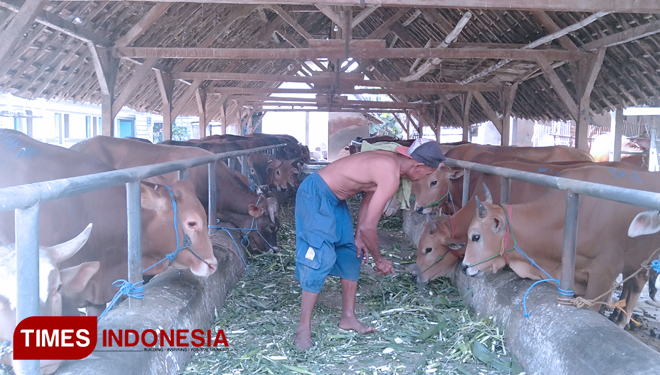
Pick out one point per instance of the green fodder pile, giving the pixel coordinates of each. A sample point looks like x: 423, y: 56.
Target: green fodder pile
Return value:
x: 418, y: 332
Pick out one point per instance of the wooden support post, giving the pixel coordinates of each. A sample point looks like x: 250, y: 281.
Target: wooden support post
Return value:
x: 307, y: 128
x: 106, y: 68
x: 507, y: 99
x: 407, y: 125
x: 166, y: 87
x: 588, y: 69
x: 18, y: 26
x: 200, y: 96
x: 617, y: 133
x: 224, y: 118
x: 438, y: 122
x: 466, y: 117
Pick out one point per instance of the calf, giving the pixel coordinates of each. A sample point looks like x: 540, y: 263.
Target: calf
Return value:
x: 603, y: 248
x: 54, y: 283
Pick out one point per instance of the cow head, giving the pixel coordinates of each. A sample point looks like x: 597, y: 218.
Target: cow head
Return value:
x: 439, y: 249
x: 159, y: 238
x: 485, y: 236
x: 259, y: 165
x: 264, y: 219
x: 434, y: 188
x: 282, y: 174
x: 647, y: 222
x: 53, y: 285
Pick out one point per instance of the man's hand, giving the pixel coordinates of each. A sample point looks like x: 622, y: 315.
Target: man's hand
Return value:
x: 362, y: 251
x: 384, y: 267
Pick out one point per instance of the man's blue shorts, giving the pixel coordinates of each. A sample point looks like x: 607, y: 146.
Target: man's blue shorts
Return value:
x: 325, y: 244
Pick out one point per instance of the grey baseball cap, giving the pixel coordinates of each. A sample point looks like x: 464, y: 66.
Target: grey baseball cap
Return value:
x: 425, y: 151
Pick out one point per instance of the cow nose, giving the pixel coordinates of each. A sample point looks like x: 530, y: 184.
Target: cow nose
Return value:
x: 420, y: 210
x: 464, y: 269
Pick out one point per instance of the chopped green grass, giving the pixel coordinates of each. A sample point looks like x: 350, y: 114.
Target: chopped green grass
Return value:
x: 418, y: 332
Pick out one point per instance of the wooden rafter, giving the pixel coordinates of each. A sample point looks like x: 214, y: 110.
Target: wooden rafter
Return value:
x: 152, y: 15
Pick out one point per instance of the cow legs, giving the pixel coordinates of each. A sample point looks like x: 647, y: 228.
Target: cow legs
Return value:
x: 631, y: 291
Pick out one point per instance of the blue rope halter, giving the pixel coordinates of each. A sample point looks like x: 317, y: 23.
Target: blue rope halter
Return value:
x: 132, y: 289
x: 245, y: 241
x: 565, y: 293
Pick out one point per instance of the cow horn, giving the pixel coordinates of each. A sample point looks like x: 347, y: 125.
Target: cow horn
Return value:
x: 66, y: 250
x: 489, y: 197
x: 482, y: 211
x: 272, y: 208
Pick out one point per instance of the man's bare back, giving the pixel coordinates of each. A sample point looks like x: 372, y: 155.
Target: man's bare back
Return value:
x: 362, y: 172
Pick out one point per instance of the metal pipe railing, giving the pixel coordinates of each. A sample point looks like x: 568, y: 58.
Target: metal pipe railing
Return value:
x: 613, y: 193
x: 574, y: 189
x: 27, y: 195
x: 25, y: 200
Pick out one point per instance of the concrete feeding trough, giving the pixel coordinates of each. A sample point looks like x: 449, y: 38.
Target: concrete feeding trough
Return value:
x: 172, y: 300
x: 555, y: 339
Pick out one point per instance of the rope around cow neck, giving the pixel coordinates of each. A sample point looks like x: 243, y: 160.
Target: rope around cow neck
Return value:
x: 133, y: 290
x: 567, y: 293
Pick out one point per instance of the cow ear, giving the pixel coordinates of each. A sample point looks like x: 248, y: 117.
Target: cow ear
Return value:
x: 255, y: 211
x: 455, y: 246
x: 152, y: 200
x: 456, y: 173
x: 75, y: 279
x: 647, y: 222
x: 498, y: 225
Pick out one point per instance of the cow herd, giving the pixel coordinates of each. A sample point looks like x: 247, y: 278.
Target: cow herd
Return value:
x: 486, y: 236
x: 79, y: 273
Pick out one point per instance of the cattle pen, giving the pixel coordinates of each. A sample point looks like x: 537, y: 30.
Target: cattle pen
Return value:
x: 25, y: 200
x: 547, y: 342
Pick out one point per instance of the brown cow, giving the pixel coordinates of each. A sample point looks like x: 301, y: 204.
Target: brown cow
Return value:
x: 603, y: 249
x: 435, y: 190
x: 237, y: 205
x: 53, y: 283
x: 61, y: 219
x: 441, y: 235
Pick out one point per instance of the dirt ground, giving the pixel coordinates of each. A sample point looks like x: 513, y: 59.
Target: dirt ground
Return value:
x: 647, y: 313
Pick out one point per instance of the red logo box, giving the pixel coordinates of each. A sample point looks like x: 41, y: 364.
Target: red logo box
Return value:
x: 55, y: 337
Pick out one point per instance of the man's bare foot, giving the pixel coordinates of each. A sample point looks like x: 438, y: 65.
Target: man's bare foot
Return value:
x: 303, y: 340
x: 352, y: 324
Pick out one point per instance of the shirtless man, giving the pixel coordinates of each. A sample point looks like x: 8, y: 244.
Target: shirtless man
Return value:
x: 325, y: 244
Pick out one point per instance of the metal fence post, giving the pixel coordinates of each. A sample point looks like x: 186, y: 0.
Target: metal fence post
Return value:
x: 244, y: 166
x: 505, y: 190
x: 183, y: 174
x: 230, y: 164
x: 212, y: 195
x: 466, y: 186
x: 570, y: 240
x: 134, y: 216
x: 27, y: 274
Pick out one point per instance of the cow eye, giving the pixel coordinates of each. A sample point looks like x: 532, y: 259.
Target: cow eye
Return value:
x: 278, y: 173
x: 433, y: 183
x: 192, y: 224
x: 271, y: 228
x: 59, y: 287
x: 475, y: 238
x: 252, y: 171
x: 427, y: 250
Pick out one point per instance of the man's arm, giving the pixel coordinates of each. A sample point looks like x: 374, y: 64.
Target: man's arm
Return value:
x: 366, y: 237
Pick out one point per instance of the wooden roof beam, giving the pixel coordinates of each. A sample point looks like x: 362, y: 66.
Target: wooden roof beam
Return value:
x: 57, y: 23
x: 624, y: 36
x: 286, y: 17
x: 637, y: 6
x: 552, y: 27
x: 357, y: 50
x: 539, y: 42
x: 363, y: 15
x: 558, y: 86
x: 152, y: 15
x: 488, y: 111
x: 19, y: 24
